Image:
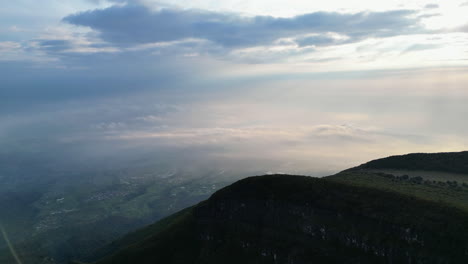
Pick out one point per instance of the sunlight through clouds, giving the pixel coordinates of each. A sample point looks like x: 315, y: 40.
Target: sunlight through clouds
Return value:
x: 218, y: 77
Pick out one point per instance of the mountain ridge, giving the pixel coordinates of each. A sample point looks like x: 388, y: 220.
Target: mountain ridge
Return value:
x: 455, y: 162
x: 355, y: 216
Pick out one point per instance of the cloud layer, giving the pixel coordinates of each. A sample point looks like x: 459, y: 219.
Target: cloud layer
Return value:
x: 136, y: 24
x: 333, y: 86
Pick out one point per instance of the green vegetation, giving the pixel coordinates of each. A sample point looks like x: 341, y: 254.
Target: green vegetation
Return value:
x: 403, y: 209
x: 440, y: 177
x: 50, y: 211
x: 455, y: 162
x: 279, y: 218
x: 141, y: 234
x: 446, y: 191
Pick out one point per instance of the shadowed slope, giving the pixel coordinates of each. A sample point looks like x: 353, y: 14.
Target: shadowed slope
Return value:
x: 296, y: 219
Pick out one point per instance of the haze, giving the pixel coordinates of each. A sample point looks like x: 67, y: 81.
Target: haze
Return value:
x: 247, y: 86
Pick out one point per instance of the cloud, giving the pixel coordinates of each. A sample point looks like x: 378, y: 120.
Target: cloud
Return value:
x: 462, y: 28
x: 97, y: 2
x: 429, y: 15
x: 243, y: 136
x: 298, y: 122
x: 7, y: 46
x: 431, y: 6
x: 133, y: 24
x: 321, y: 40
x: 55, y: 45
x: 420, y: 47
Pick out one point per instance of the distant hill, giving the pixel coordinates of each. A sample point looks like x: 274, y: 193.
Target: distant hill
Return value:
x: 439, y: 177
x: 455, y: 162
x: 362, y: 215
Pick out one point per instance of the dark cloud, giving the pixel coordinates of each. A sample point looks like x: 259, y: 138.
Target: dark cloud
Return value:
x: 135, y: 24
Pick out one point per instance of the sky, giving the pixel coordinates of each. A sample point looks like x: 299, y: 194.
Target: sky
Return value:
x: 310, y: 87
